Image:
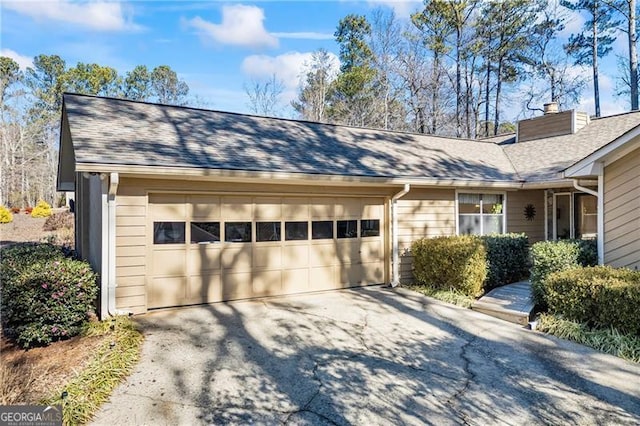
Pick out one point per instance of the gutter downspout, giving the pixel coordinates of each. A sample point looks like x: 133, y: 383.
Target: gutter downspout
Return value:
x: 599, y: 194
x: 394, y: 234
x: 114, y: 180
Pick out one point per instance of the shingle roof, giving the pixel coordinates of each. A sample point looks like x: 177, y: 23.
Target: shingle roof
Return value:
x: 122, y: 132
x: 545, y: 159
x: 113, y: 131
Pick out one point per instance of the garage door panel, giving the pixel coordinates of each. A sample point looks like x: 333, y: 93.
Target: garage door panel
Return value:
x: 348, y: 252
x: 321, y: 208
x: 168, y: 207
x: 268, y: 209
x: 169, y: 263
x: 204, y: 258
x: 237, y: 258
x: 295, y: 208
x: 349, y: 275
x: 236, y: 286
x: 322, y: 254
x: 167, y: 292
x: 268, y: 256
x: 322, y: 278
x: 373, y: 273
x: 348, y: 208
x: 205, y: 288
x: 295, y: 256
x: 372, y: 209
x: 237, y: 208
x: 267, y: 283
x: 205, y: 207
x: 371, y: 250
x: 295, y: 280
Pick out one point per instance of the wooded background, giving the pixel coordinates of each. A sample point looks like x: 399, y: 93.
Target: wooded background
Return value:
x: 446, y: 72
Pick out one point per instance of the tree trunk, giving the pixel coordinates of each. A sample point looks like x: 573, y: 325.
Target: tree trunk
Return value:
x: 458, y: 84
x: 496, y: 117
x: 596, y: 88
x: 633, y: 55
x: 486, y: 99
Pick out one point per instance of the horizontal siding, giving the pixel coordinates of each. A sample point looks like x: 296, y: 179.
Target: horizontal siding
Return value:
x: 622, y: 212
x: 545, y: 126
x: 516, y: 220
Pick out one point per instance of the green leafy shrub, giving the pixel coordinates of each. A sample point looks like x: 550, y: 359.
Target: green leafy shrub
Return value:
x: 554, y: 256
x: 5, y: 215
x: 601, y: 296
x: 46, y: 296
x: 455, y: 263
x: 59, y: 221
x: 42, y: 209
x: 507, y: 259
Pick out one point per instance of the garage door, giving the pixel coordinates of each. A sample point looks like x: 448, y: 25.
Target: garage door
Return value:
x: 211, y: 248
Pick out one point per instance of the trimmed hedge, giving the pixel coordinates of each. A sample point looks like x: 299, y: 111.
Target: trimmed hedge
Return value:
x: 450, y: 263
x: 507, y: 259
x: 554, y: 256
x: 601, y: 296
x: 42, y: 209
x: 5, y: 215
x: 45, y: 296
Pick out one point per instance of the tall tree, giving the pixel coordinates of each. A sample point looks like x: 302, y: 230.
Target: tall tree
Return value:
x: 93, y: 79
x: 167, y: 88
x: 136, y: 84
x: 596, y: 39
x: 264, y: 96
x: 627, y: 10
x: 314, y: 93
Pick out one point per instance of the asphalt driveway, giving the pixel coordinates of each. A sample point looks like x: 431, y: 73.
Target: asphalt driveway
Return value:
x: 366, y: 356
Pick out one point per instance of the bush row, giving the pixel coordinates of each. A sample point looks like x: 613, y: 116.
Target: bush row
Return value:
x: 600, y: 296
x: 470, y: 264
x: 46, y: 295
x: 554, y: 256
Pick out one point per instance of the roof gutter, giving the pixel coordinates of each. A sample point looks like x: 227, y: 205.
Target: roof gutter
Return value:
x: 394, y: 234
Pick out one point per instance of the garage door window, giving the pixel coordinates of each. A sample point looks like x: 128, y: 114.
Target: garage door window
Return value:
x: 322, y: 230
x: 237, y: 232
x: 296, y: 231
x: 347, y: 229
x: 168, y: 233
x: 370, y: 228
x: 267, y: 231
x: 205, y: 232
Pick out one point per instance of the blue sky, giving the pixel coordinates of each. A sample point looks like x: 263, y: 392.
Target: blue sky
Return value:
x: 215, y: 46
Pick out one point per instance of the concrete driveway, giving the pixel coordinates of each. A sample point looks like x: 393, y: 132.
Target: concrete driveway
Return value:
x: 366, y: 356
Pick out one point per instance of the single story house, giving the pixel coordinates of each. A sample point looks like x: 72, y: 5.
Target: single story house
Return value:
x: 178, y: 206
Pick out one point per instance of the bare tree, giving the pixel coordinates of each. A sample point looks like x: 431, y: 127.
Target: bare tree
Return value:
x: 264, y: 96
x: 315, y: 87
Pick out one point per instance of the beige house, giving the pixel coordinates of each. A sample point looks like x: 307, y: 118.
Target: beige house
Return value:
x: 178, y: 206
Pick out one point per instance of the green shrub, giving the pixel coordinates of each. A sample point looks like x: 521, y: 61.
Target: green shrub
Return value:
x: 5, y: 215
x: 601, y: 296
x: 59, y: 221
x: 450, y: 263
x: 46, y: 296
x: 507, y: 259
x: 42, y: 209
x: 553, y: 256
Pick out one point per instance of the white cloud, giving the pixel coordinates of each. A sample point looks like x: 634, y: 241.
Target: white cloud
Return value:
x: 305, y: 35
x: 402, y: 8
x: 289, y: 68
x: 241, y: 26
x: 21, y: 60
x: 98, y: 15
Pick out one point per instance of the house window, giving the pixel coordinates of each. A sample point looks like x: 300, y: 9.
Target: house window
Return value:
x: 168, y: 233
x: 480, y: 214
x: 347, y: 228
x: 294, y: 231
x: 237, y: 232
x: 322, y: 230
x: 267, y: 231
x: 586, y: 212
x: 205, y: 232
x: 370, y: 228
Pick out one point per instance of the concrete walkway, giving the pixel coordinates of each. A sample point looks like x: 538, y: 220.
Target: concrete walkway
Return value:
x: 512, y: 302
x: 371, y: 356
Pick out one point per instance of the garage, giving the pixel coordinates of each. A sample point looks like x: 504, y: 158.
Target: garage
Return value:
x: 207, y: 248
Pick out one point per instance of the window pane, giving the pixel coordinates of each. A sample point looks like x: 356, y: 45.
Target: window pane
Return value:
x: 296, y: 231
x: 492, y: 203
x: 468, y: 203
x: 205, y: 232
x: 492, y: 224
x: 370, y: 228
x: 168, y: 233
x: 322, y: 229
x: 469, y: 224
x: 237, y: 232
x: 347, y: 228
x: 268, y: 231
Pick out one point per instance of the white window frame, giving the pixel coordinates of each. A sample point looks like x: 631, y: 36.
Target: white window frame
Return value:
x: 475, y: 191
